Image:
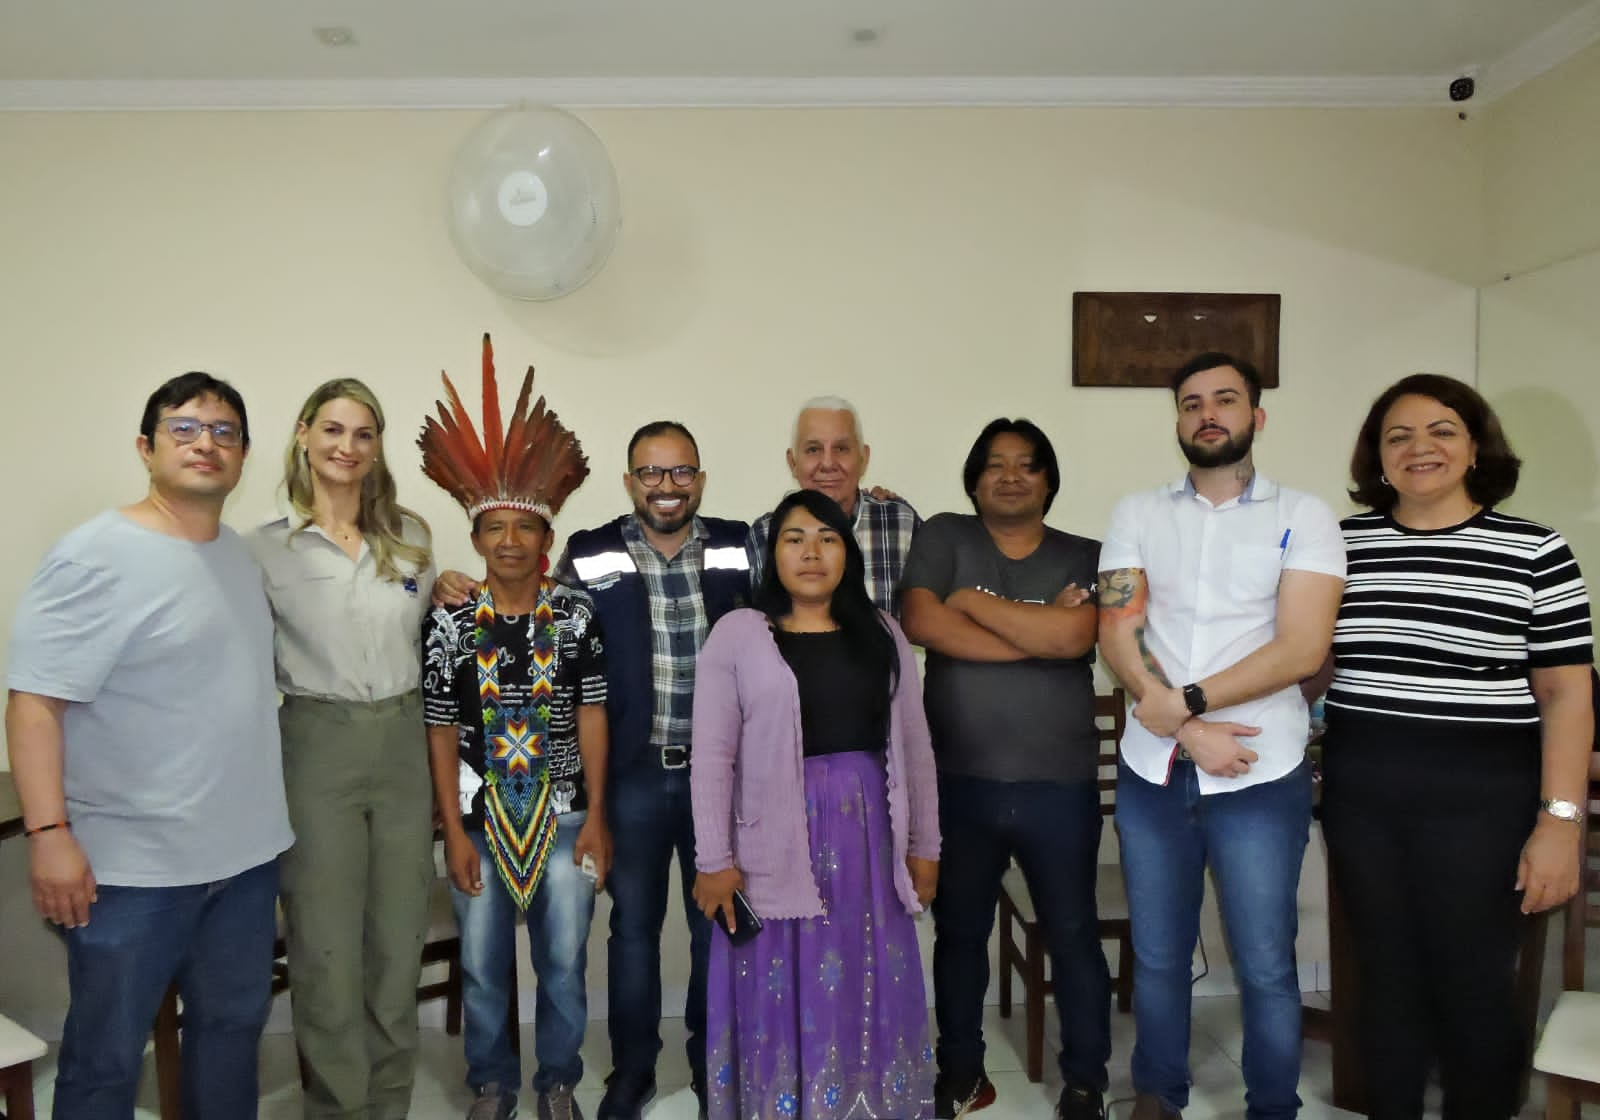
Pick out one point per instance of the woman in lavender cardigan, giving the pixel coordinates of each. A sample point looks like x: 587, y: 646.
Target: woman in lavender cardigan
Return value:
x: 814, y: 793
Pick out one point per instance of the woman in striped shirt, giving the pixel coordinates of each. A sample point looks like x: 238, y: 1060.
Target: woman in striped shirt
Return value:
x: 1459, y: 730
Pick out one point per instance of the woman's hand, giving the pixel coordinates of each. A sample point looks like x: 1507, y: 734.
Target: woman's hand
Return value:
x: 924, y: 878
x: 453, y: 588
x: 461, y: 861
x: 594, y: 840
x: 713, y: 891
x: 1548, y: 872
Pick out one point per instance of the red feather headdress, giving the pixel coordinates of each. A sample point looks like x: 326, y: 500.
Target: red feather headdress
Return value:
x: 535, y: 465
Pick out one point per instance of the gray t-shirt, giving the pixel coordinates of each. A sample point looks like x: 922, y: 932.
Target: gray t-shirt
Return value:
x: 1016, y: 721
x: 173, y: 768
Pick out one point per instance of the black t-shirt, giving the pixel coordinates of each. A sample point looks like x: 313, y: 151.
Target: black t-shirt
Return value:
x: 844, y: 700
x: 1013, y: 721
x: 450, y: 688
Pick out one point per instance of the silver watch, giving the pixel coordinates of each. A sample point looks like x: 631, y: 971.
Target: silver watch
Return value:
x: 1561, y: 810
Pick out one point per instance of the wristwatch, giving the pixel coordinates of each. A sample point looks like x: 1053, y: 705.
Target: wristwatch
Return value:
x: 1195, y: 697
x: 1561, y: 810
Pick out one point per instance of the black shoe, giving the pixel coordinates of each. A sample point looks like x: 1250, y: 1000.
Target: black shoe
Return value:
x: 627, y: 1094
x: 955, y: 1097
x: 1079, y: 1102
x: 697, y: 1082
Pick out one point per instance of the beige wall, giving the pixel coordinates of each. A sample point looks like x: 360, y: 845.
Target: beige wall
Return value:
x: 921, y: 262
x: 1542, y: 163
x: 1540, y: 368
x: 1539, y: 356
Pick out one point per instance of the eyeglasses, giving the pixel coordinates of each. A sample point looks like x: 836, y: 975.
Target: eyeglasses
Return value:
x: 186, y: 429
x: 682, y: 474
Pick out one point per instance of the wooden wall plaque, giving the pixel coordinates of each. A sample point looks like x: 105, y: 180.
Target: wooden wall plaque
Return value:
x: 1140, y: 338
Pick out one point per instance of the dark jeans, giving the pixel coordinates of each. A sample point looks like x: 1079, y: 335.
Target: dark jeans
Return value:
x: 1423, y: 842
x: 650, y: 817
x: 215, y: 940
x: 1053, y: 831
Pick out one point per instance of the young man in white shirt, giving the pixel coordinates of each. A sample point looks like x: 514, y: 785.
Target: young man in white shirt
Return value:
x: 1217, y: 597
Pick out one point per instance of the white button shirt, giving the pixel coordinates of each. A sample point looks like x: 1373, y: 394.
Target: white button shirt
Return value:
x: 1212, y: 573
x: 341, y: 631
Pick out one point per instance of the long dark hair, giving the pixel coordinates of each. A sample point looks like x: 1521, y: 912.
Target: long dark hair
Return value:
x: 1491, y: 482
x: 866, y: 632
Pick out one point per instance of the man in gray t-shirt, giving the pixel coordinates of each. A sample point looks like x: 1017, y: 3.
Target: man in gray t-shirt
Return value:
x: 1001, y: 603
x: 143, y: 735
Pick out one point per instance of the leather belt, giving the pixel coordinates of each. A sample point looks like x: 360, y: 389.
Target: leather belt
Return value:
x: 675, y: 758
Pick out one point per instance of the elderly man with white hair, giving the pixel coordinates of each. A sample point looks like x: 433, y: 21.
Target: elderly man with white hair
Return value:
x: 829, y: 454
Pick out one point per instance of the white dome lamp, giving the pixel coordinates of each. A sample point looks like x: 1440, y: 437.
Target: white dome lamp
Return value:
x: 534, y: 206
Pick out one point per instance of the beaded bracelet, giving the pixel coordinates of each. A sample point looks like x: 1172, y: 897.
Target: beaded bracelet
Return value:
x: 29, y: 832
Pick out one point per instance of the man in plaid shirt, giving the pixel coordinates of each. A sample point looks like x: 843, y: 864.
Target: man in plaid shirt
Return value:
x: 659, y: 576
x: 828, y: 455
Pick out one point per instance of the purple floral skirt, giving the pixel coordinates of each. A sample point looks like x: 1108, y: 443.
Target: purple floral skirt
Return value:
x: 827, y: 1017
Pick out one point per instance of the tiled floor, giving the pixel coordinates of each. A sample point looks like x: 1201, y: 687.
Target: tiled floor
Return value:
x: 1217, y: 1092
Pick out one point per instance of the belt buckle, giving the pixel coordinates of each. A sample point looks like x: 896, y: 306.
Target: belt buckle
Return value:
x: 1184, y: 755
x: 675, y: 758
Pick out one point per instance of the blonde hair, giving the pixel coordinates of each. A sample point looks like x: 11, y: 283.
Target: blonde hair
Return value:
x: 381, y: 518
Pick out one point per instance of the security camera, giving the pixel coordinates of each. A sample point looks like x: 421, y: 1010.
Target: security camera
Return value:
x: 1462, y: 89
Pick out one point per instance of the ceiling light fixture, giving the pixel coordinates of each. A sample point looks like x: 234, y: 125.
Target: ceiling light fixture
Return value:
x: 335, y: 36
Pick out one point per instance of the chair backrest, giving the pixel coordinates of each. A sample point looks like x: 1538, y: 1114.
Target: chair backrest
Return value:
x: 1583, y: 911
x: 1110, y: 717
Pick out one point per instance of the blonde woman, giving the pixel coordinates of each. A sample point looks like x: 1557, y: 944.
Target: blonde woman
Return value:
x: 348, y: 574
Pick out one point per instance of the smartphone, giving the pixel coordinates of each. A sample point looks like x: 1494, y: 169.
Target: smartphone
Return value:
x: 746, y: 923
x: 588, y: 869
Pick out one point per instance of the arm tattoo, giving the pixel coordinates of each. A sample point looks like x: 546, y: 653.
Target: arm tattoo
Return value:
x: 1150, y: 661
x: 1123, y: 589
x: 1124, y: 592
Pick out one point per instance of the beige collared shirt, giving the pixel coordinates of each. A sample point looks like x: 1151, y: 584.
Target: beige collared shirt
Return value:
x: 340, y: 631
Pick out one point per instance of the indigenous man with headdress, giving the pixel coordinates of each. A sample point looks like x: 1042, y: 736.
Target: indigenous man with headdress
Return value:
x: 514, y: 695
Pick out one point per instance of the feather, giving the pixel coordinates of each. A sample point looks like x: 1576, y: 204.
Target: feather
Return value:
x: 537, y: 460
x: 493, y: 432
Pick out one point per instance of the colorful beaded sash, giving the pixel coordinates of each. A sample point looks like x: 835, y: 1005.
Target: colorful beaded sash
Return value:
x: 518, y: 821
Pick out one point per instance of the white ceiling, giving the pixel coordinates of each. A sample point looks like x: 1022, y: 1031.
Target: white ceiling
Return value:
x: 69, y: 53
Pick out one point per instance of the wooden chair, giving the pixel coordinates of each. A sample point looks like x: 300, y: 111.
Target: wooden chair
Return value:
x: 1111, y: 898
x: 18, y: 1050
x: 1569, y: 1049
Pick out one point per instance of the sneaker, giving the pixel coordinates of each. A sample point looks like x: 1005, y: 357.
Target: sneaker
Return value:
x: 493, y: 1103
x: 556, y: 1103
x: 954, y: 1098
x: 1079, y: 1102
x: 1148, y: 1106
x: 627, y: 1094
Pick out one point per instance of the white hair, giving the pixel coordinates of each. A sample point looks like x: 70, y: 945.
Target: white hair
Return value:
x: 827, y: 404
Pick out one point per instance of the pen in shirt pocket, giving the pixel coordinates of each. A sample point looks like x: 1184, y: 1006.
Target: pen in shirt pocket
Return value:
x: 1284, y: 543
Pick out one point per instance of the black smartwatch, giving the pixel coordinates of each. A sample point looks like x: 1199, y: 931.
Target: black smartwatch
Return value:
x: 1195, y: 698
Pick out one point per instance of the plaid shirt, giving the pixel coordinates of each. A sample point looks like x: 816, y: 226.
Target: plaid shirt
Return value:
x: 677, y: 627
x: 883, y: 529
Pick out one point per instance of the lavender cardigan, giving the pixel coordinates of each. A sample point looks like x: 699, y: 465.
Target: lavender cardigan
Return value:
x: 748, y: 778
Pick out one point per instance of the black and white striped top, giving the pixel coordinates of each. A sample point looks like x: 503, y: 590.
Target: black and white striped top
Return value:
x: 1446, y: 624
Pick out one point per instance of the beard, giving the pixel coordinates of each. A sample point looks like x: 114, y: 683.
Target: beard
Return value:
x: 1223, y: 454
x: 667, y: 522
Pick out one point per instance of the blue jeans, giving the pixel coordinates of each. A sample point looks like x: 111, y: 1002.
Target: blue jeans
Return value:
x: 215, y: 940
x: 558, y: 945
x: 650, y: 817
x: 1053, y: 830
x: 1254, y: 840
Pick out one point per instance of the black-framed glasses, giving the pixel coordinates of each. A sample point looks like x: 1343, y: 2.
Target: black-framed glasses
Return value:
x: 682, y: 475
x: 186, y: 429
